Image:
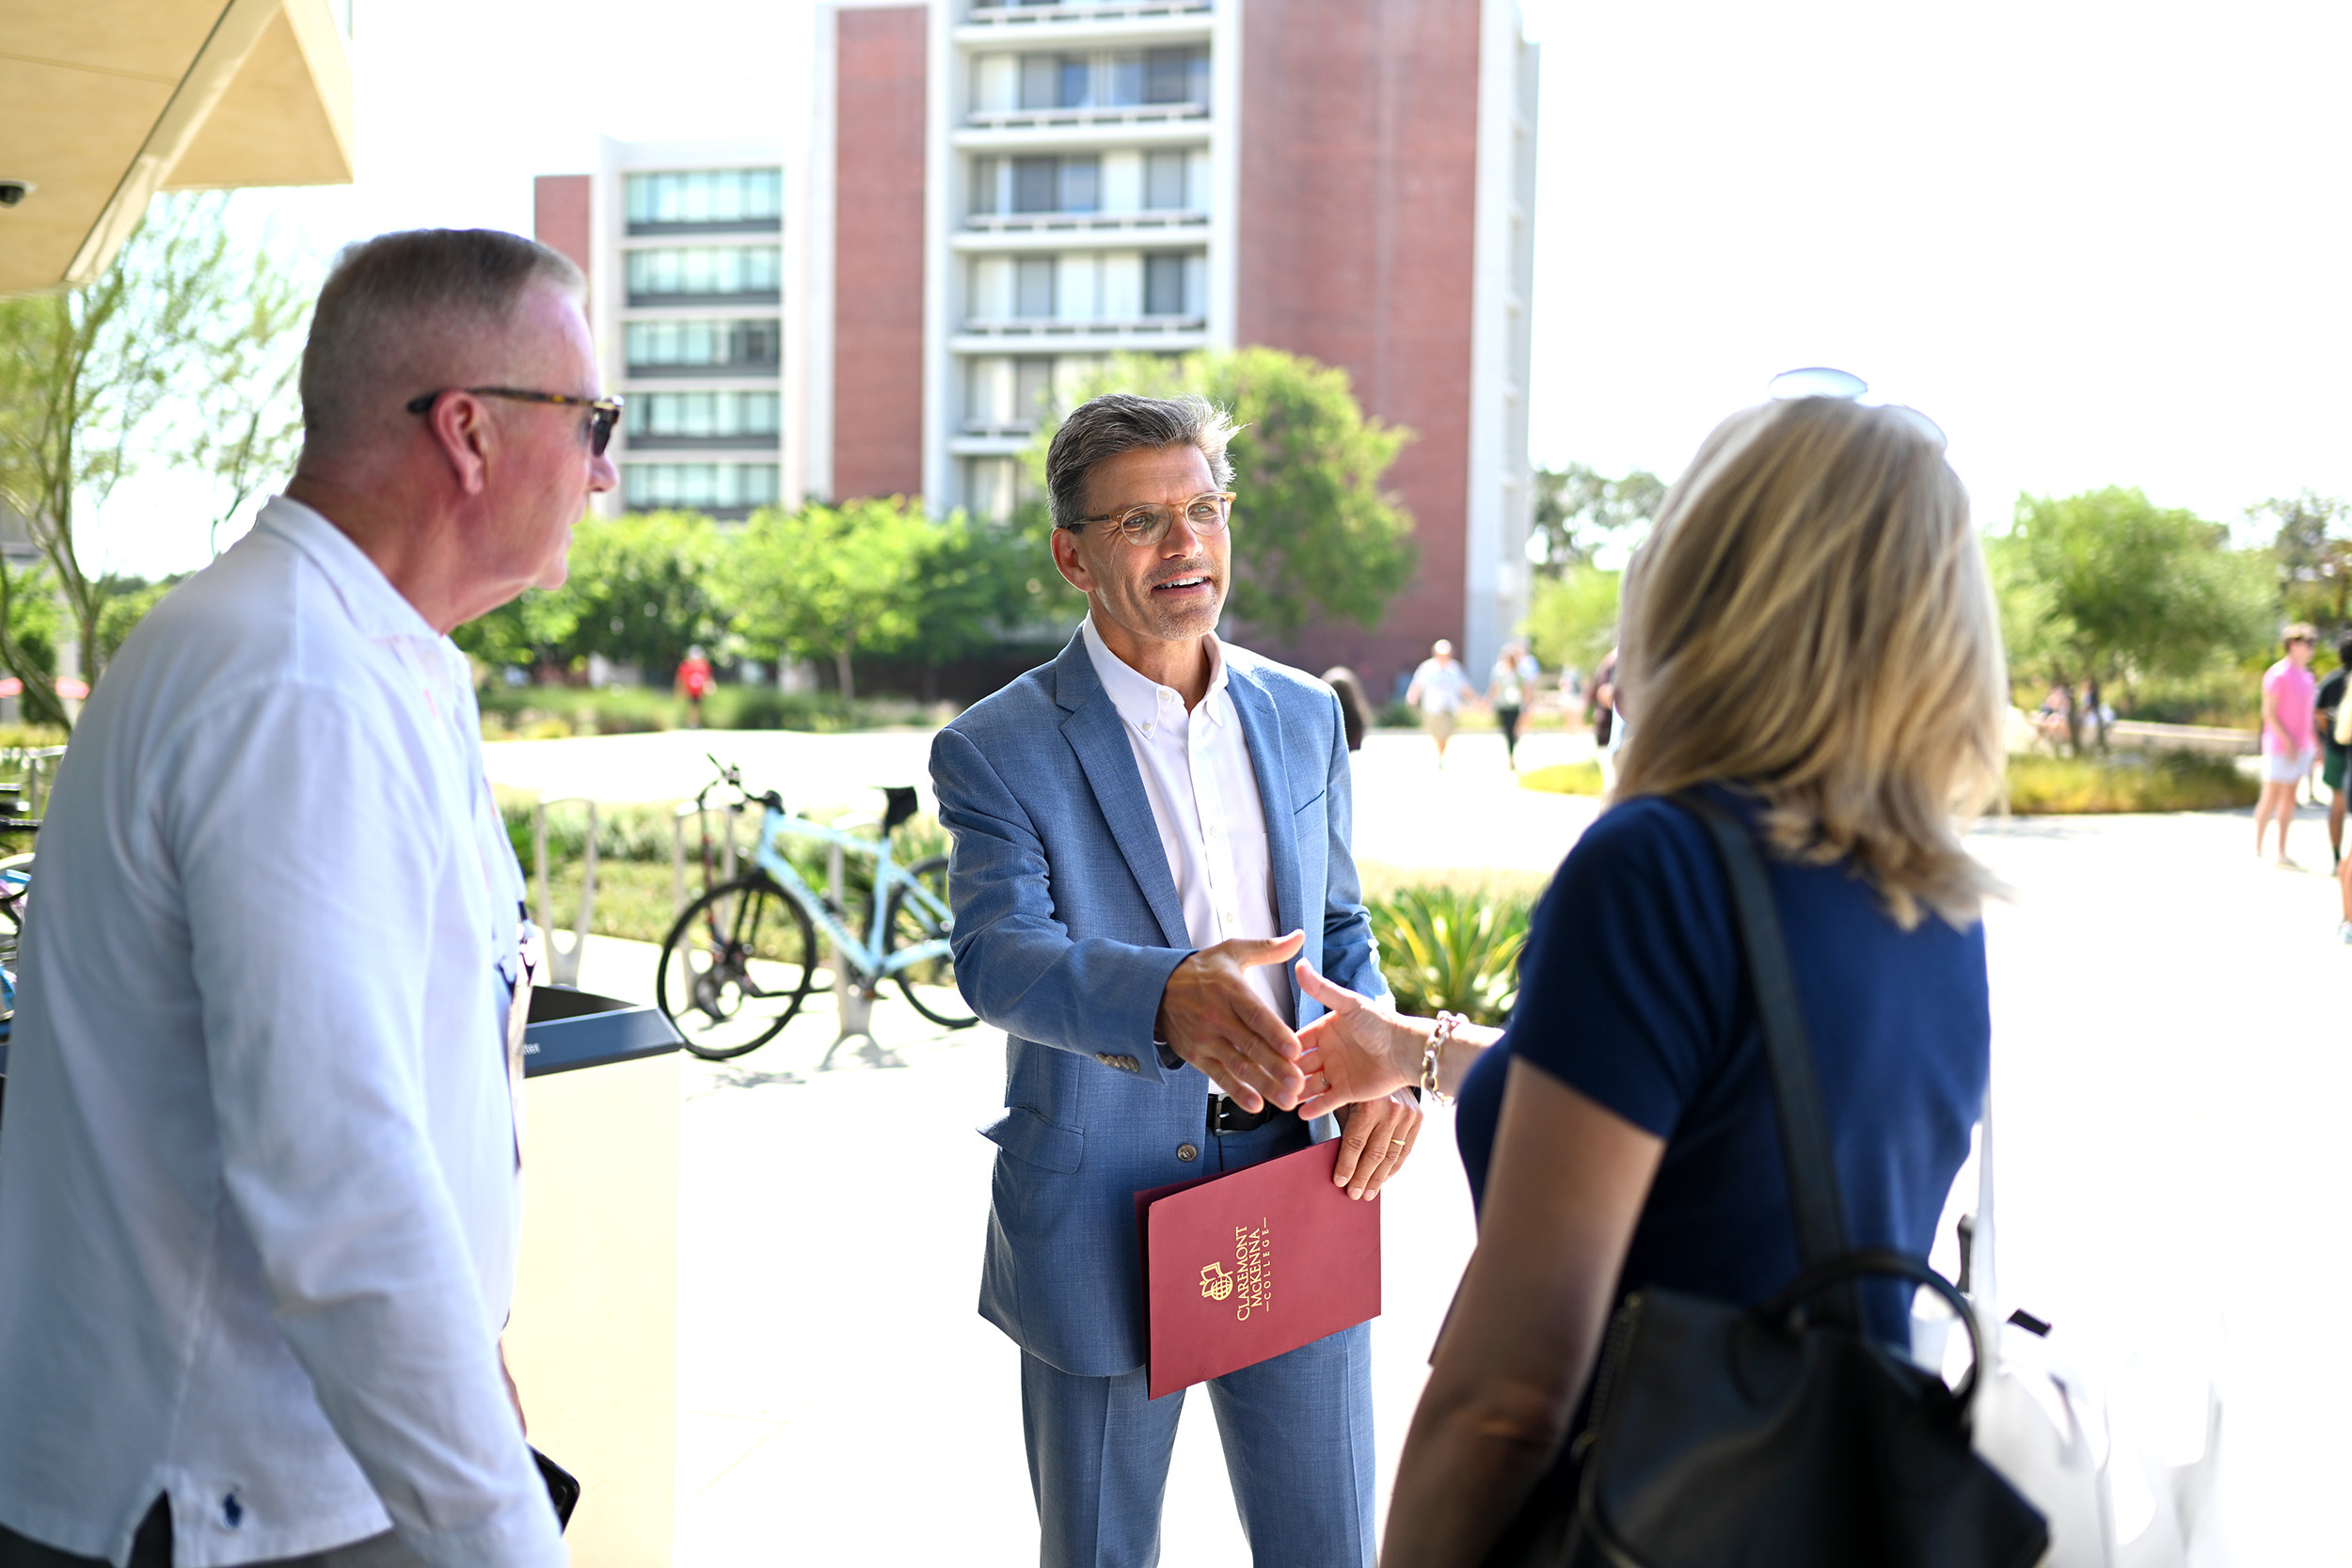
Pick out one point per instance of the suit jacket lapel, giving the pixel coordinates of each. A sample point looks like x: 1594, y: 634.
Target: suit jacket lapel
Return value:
x: 1097, y: 735
x: 1261, y: 728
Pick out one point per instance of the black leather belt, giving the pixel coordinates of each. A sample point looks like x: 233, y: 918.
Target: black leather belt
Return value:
x: 1227, y: 1116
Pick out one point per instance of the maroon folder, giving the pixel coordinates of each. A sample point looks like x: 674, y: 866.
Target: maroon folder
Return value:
x: 1241, y: 1267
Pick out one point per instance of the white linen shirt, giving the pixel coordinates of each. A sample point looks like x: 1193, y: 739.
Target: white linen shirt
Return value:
x: 1204, y: 799
x: 259, y: 1195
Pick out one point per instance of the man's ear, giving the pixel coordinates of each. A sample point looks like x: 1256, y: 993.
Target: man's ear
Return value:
x: 460, y: 428
x: 1068, y: 561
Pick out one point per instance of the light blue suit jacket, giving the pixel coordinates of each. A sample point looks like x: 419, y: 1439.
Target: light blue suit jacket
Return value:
x: 1067, y: 927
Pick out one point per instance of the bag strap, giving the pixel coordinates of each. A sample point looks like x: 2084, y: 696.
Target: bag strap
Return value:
x: 1804, y: 1140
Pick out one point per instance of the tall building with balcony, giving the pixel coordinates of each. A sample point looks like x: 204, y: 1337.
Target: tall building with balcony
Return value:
x: 684, y: 244
x: 1001, y: 192
x: 975, y: 203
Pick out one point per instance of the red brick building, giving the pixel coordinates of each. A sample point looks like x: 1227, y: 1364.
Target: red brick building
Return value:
x: 1351, y: 179
x: 987, y: 198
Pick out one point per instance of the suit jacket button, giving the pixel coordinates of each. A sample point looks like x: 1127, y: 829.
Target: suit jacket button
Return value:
x: 1187, y: 1152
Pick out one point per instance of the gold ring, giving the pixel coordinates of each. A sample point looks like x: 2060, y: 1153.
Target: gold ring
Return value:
x: 1398, y: 1142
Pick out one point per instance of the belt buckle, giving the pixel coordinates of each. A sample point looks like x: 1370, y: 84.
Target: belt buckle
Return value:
x: 1221, y: 1106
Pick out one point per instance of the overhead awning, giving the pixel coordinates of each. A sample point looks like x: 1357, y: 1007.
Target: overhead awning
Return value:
x: 103, y: 103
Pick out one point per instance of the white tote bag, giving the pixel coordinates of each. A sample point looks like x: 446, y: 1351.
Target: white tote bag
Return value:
x: 2058, y: 1440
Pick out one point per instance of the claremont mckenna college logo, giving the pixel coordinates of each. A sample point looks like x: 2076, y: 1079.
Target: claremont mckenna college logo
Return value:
x: 1250, y: 1285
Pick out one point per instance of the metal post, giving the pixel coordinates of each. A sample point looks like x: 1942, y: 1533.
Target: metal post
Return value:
x: 853, y: 997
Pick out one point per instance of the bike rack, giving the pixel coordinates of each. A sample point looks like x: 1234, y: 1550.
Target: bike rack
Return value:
x: 34, y: 761
x: 679, y: 814
x: 854, y: 1004
x: 563, y: 967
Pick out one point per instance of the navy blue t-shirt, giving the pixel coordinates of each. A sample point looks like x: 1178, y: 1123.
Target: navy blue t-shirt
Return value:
x: 1634, y: 993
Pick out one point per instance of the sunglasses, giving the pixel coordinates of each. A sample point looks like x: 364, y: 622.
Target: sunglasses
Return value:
x: 1149, y: 524
x: 1821, y: 381
x: 603, y: 413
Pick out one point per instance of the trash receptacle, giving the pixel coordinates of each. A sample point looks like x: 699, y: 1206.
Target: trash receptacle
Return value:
x: 592, y: 1339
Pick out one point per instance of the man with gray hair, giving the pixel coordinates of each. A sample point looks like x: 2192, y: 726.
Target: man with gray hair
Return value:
x: 259, y: 1170
x: 1136, y: 826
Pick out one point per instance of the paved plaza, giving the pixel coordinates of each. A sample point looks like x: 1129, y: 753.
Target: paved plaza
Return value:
x: 2172, y: 1074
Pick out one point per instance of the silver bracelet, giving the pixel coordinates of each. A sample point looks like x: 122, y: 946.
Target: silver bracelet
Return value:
x: 1447, y: 1024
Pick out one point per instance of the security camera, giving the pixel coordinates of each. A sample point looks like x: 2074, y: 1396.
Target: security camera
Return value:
x: 14, y: 191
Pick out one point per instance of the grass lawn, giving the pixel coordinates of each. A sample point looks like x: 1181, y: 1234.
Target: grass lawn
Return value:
x: 2126, y: 782
x: 1565, y: 778
x: 2042, y: 786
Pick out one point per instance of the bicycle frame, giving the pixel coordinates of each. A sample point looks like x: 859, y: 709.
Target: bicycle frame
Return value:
x: 867, y: 957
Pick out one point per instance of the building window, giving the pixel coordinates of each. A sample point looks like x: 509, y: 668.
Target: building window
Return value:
x: 1159, y: 76
x: 1033, y: 286
x: 991, y: 487
x: 701, y: 347
x: 1049, y: 184
x: 746, y: 272
x: 702, y: 417
x: 698, y: 486
x: 721, y: 198
x: 1164, y: 286
x: 1164, y: 181
x: 1057, y: 81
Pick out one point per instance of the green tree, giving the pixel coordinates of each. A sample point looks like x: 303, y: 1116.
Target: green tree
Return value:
x: 84, y: 377
x: 831, y: 581
x: 2106, y: 585
x: 1572, y: 618
x: 973, y: 589
x: 127, y: 602
x: 2314, y: 561
x: 1577, y: 511
x: 644, y: 588
x: 1314, y: 536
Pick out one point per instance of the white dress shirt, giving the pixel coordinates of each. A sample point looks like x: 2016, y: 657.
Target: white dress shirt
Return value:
x: 259, y: 1195
x: 1204, y: 799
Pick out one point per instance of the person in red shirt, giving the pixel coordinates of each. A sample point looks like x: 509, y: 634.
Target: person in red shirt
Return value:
x: 693, y: 680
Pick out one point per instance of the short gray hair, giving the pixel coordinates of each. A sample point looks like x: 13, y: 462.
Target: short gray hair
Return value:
x: 1100, y: 428
x: 397, y: 307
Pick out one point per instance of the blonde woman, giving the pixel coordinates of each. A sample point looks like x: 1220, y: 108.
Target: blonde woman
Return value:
x: 1808, y: 636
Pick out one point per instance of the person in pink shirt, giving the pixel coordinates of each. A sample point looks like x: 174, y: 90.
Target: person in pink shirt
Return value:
x: 2288, y: 741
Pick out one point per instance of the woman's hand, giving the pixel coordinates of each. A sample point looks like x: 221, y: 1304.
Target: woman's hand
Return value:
x: 1376, y: 1135
x: 1358, y: 1051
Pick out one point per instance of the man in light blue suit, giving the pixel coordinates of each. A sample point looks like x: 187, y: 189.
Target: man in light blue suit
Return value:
x: 1137, y: 826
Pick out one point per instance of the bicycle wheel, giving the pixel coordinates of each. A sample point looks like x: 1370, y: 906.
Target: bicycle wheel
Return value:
x: 930, y: 985
x: 737, y: 966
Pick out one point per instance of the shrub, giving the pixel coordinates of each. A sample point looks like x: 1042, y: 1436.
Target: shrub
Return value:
x: 1443, y: 948
x: 2126, y: 782
x: 1565, y: 778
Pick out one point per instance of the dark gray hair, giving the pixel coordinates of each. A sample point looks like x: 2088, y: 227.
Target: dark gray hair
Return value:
x: 1100, y: 428
x: 402, y: 309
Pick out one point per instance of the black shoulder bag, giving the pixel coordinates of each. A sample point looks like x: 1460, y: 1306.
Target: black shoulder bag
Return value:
x: 1778, y: 1436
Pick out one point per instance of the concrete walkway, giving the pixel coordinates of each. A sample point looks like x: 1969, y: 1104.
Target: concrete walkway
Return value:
x: 2172, y: 1077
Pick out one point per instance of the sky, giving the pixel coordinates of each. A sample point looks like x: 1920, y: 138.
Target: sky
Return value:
x: 2097, y: 244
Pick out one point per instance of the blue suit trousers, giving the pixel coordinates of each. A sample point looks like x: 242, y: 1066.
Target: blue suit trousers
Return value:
x: 1297, y: 1438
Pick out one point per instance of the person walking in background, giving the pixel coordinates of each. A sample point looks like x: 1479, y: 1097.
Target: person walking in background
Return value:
x: 1515, y: 675
x: 261, y: 1191
x: 1355, y: 709
x: 1601, y: 712
x: 1440, y: 689
x: 2288, y: 746
x: 1619, y: 1135
x: 2327, y: 707
x: 694, y: 684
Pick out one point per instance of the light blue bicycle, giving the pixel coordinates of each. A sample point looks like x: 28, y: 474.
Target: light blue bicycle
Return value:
x: 744, y: 955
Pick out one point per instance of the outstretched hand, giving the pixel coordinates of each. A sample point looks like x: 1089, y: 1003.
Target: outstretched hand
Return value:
x: 1358, y: 1051
x: 1212, y: 1017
